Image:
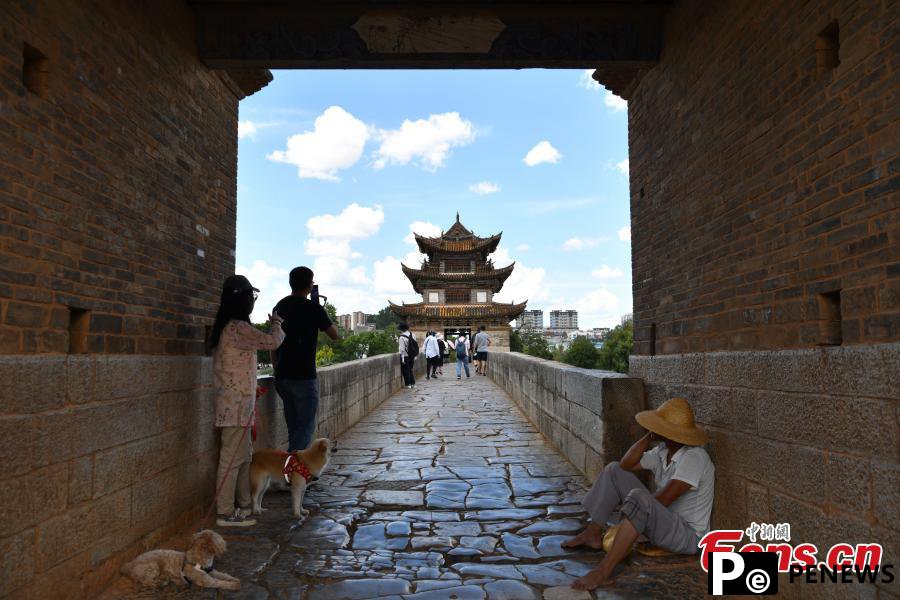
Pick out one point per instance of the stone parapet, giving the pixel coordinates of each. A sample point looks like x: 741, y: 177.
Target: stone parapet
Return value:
x: 808, y: 436
x: 104, y: 457
x: 347, y: 392
x: 587, y: 414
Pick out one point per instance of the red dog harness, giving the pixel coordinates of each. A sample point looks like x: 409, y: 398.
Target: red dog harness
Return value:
x: 292, y: 464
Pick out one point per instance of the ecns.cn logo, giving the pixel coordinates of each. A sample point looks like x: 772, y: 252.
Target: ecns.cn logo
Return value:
x: 743, y: 573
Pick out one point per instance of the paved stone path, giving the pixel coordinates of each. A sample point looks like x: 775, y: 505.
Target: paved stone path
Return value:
x: 445, y: 491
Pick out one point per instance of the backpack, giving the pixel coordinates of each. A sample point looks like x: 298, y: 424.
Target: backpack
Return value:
x: 460, y: 348
x: 412, y: 347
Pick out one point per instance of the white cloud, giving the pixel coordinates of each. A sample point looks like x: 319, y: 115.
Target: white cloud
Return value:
x: 543, y: 152
x: 246, y: 129
x: 484, y: 187
x: 425, y: 142
x: 346, y: 286
x: 598, y: 308
x: 332, y: 270
x: 523, y: 248
x: 525, y: 283
x: 607, y: 272
x: 335, y: 143
x: 423, y: 228
x: 577, y: 243
x: 273, y: 285
x: 390, y: 282
x: 586, y: 81
x: 613, y: 102
x: 353, y: 223
x: 625, y: 233
x: 329, y: 247
x: 622, y: 166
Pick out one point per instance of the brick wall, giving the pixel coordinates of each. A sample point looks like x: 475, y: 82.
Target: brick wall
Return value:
x: 806, y: 436
x: 113, y: 179
x: 758, y: 183
x: 117, y: 164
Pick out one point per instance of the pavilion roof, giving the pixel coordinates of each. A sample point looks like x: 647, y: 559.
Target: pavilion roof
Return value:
x: 430, y: 245
x: 487, y: 275
x: 456, y: 311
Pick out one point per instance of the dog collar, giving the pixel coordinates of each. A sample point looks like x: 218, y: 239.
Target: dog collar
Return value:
x: 292, y: 464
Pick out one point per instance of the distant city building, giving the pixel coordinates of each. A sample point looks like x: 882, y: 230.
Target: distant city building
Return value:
x: 563, y: 319
x: 598, y: 333
x: 530, y: 319
x: 356, y: 321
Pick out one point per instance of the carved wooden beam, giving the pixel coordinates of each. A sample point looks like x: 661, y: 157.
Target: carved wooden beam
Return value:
x: 337, y: 34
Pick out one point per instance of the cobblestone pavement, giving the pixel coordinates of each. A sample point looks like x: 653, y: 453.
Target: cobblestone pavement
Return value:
x: 445, y: 491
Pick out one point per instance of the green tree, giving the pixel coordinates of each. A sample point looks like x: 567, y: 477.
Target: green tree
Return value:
x: 364, y: 344
x: 515, y: 341
x: 385, y: 319
x: 324, y: 356
x: 262, y: 356
x: 581, y: 353
x: 535, y: 344
x: 617, y: 347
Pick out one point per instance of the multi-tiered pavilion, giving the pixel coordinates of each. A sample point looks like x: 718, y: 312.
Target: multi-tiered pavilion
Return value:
x: 458, y: 282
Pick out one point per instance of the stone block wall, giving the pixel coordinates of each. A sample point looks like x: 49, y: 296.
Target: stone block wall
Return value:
x: 99, y: 456
x: 103, y: 457
x: 117, y: 179
x: 806, y: 436
x: 117, y: 225
x: 764, y: 211
x: 588, y: 415
x: 347, y: 392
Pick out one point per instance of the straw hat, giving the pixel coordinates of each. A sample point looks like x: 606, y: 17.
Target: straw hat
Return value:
x: 673, y: 420
x: 646, y: 549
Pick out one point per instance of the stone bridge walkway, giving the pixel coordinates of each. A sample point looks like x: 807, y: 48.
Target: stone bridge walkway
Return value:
x: 445, y: 491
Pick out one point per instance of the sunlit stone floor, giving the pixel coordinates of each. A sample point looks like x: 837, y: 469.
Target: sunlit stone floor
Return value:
x: 445, y: 491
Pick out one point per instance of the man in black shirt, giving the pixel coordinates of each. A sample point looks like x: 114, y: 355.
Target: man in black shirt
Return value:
x: 295, y: 359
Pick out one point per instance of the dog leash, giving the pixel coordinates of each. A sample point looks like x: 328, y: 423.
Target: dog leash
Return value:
x: 250, y: 420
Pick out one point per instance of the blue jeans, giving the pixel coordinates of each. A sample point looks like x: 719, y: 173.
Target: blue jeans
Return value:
x: 460, y: 363
x: 301, y: 401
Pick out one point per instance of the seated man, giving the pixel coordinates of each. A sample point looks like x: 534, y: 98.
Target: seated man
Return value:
x: 676, y: 517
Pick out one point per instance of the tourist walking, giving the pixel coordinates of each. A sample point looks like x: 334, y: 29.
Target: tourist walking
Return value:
x: 462, y: 356
x: 432, y: 355
x: 234, y: 342
x: 480, y: 347
x: 442, y: 346
x: 295, y: 360
x: 409, y: 348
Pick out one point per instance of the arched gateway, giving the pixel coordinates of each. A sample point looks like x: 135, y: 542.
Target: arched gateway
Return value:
x: 764, y: 229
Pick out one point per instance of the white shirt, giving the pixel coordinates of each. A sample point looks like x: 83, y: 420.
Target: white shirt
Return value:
x: 692, y: 465
x: 431, y: 347
x: 403, y: 342
x: 481, y: 341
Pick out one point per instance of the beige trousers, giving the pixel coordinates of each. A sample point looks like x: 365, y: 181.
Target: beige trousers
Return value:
x: 236, y: 484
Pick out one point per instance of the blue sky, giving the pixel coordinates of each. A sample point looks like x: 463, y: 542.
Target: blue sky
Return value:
x: 336, y: 168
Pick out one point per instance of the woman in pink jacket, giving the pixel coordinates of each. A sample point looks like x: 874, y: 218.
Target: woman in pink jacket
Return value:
x: 235, y: 342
